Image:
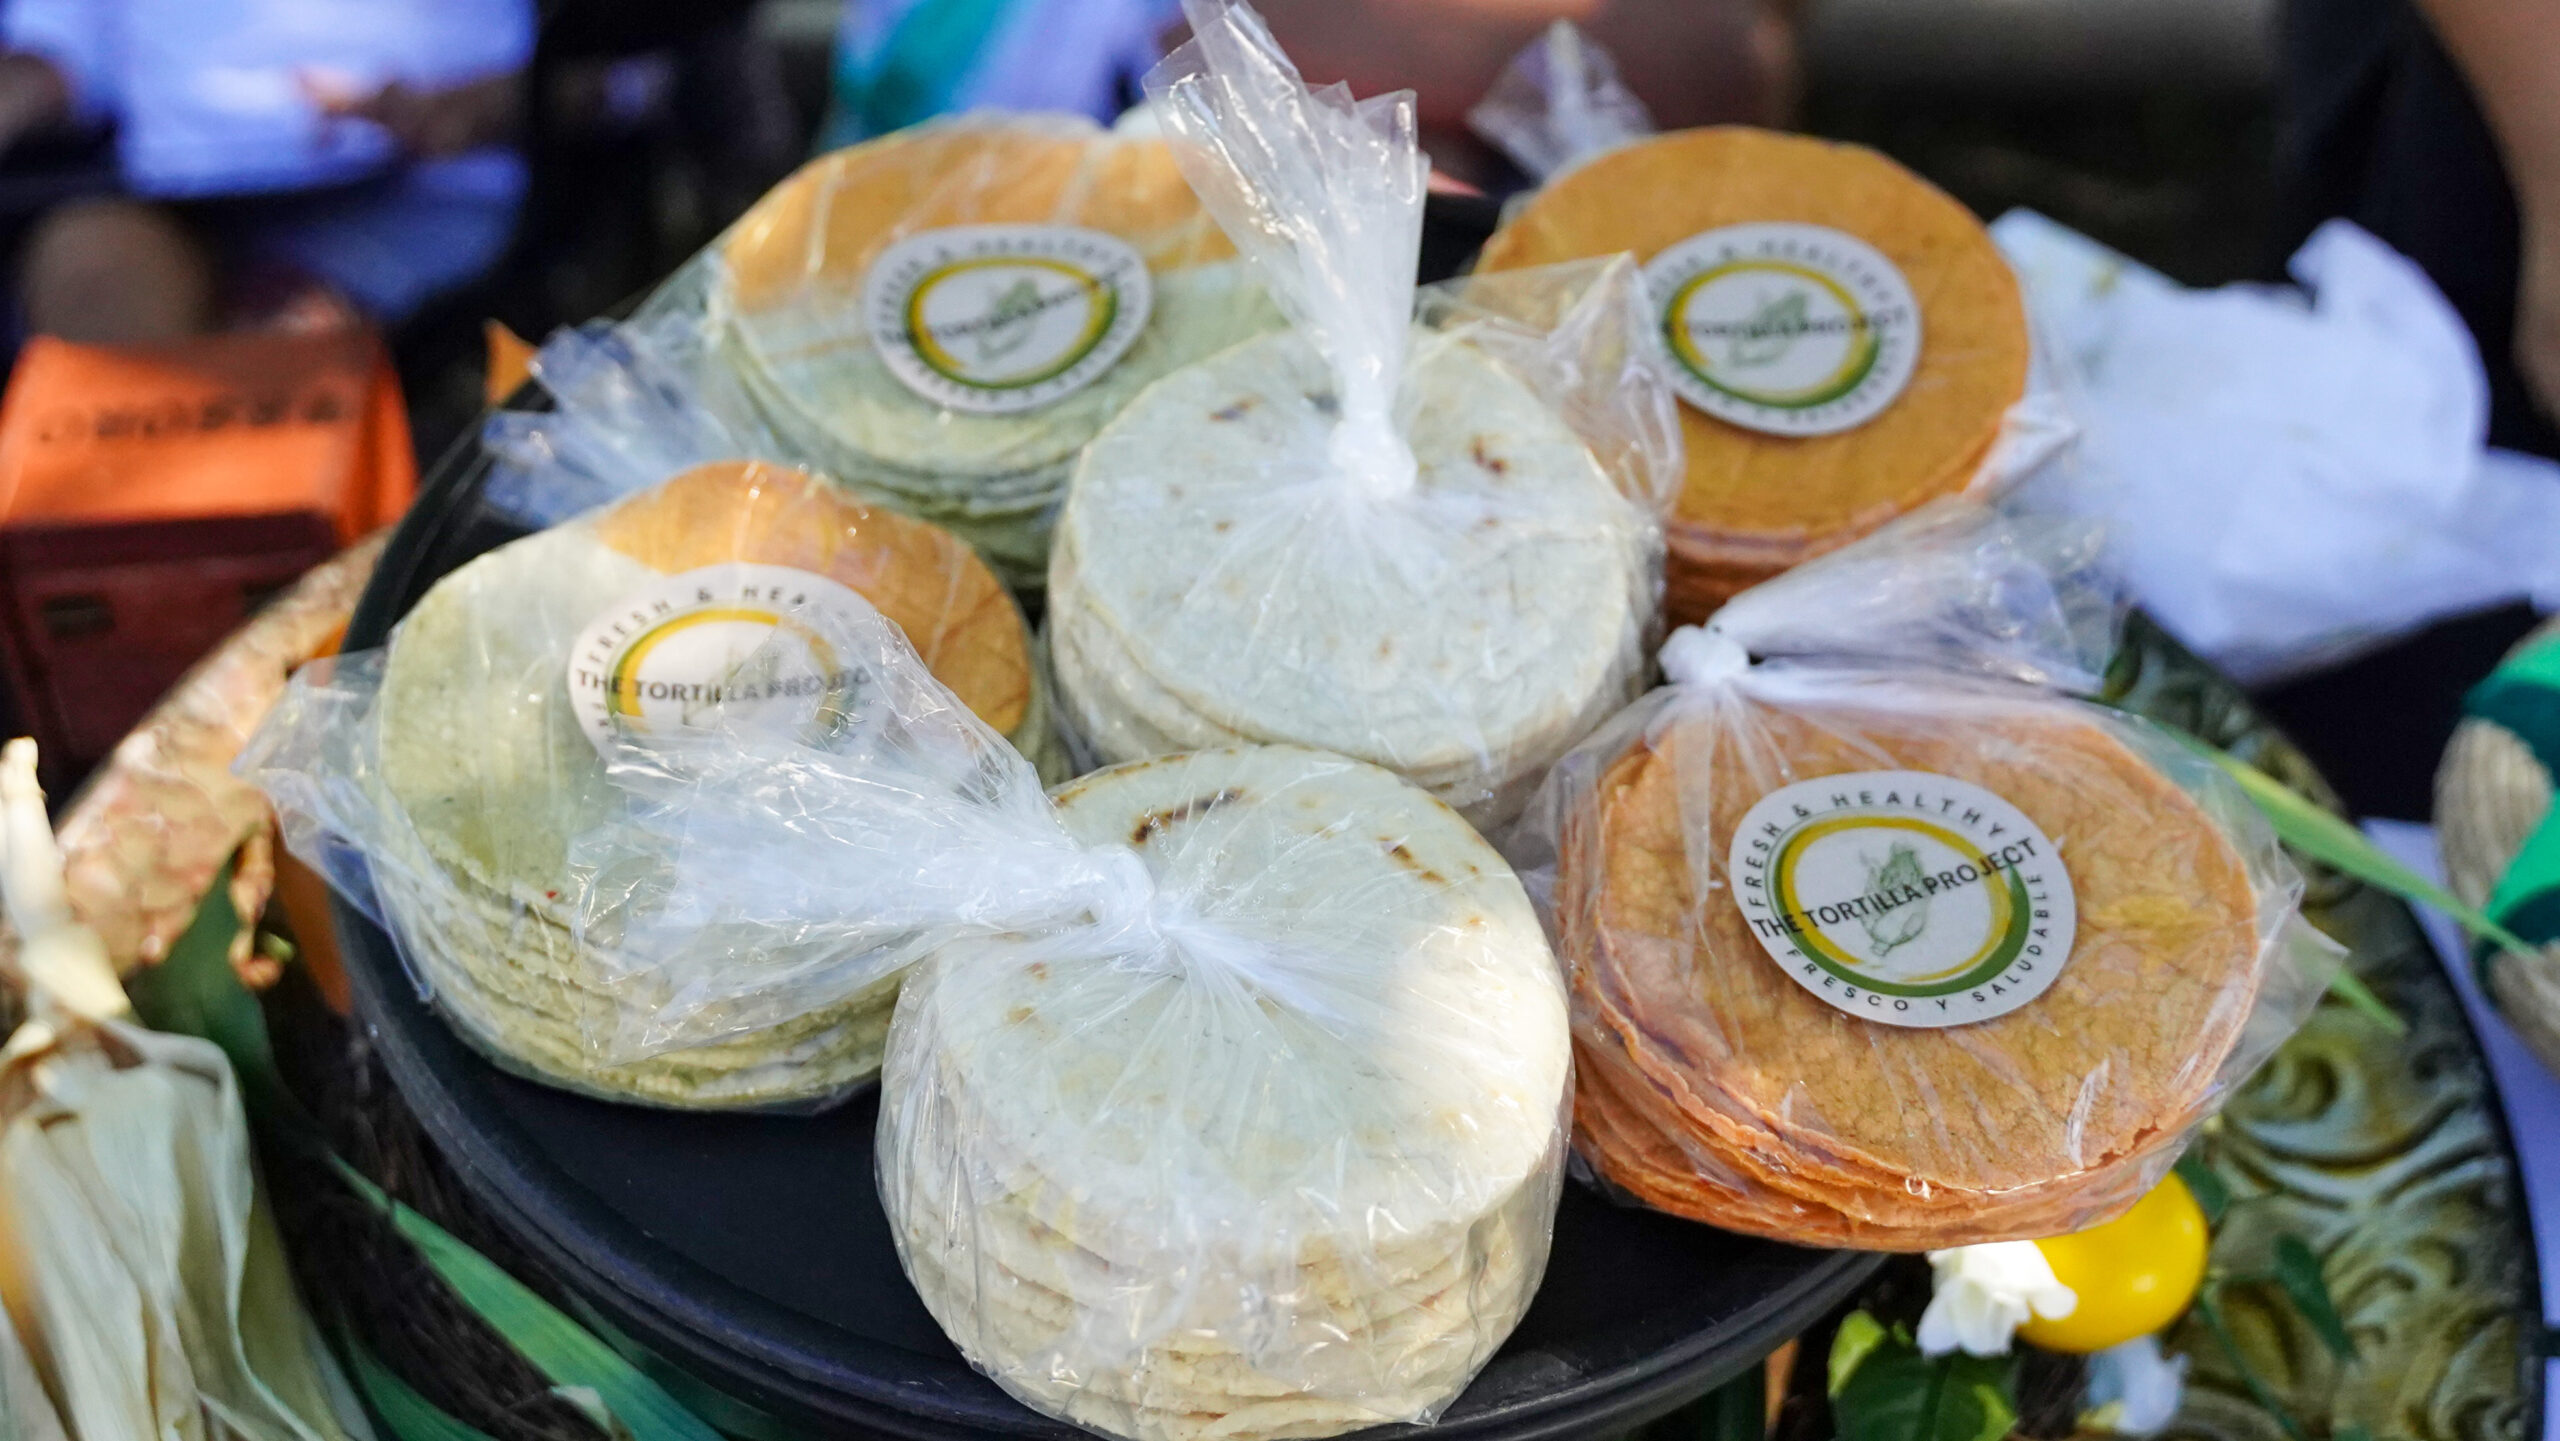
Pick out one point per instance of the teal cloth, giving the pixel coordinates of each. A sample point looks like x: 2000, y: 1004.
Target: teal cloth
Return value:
x: 917, y: 72
x: 2522, y: 696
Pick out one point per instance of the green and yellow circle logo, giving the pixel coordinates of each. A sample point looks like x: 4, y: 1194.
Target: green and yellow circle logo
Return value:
x: 1907, y: 898
x: 1782, y: 328
x: 729, y: 642
x: 1003, y: 318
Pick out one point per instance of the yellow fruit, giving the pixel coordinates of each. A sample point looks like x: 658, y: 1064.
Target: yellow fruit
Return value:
x: 2134, y: 1275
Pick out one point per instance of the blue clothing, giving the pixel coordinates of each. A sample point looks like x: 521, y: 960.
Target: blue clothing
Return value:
x: 902, y: 61
x: 213, y: 99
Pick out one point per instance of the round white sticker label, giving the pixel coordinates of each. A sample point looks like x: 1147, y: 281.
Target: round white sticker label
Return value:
x: 1003, y: 318
x: 1787, y: 329
x: 1904, y: 897
x: 681, y: 652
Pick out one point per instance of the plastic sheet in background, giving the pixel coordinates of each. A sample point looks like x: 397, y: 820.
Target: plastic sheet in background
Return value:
x: 1752, y: 1051
x: 1558, y: 103
x: 451, y: 783
x: 2290, y: 478
x: 792, y: 300
x: 1434, y: 546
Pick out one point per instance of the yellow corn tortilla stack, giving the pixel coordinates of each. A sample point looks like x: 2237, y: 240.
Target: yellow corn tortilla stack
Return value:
x: 1755, y: 502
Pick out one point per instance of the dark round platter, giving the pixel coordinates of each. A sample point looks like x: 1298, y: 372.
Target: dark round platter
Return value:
x: 749, y: 1252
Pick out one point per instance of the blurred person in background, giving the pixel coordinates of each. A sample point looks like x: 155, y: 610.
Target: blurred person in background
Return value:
x: 2435, y: 124
x: 281, y: 160
x: 1692, y: 62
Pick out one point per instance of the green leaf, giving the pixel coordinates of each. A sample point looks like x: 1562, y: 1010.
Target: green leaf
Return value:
x: 408, y: 1415
x: 194, y: 992
x: 2335, y: 843
x: 2350, y: 1433
x: 1858, y: 1337
x: 2298, y: 1272
x: 2213, y: 1197
x: 562, y: 1350
x: 1897, y: 1394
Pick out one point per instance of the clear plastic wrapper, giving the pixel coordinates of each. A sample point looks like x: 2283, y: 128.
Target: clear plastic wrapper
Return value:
x: 1424, y: 536
x: 944, y: 316
x: 452, y: 782
x: 1270, y: 1148
x: 1558, y: 103
x: 632, y: 403
x: 1878, y: 937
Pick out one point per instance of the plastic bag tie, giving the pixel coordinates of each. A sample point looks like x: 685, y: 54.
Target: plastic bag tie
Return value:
x: 1702, y: 656
x: 1323, y: 195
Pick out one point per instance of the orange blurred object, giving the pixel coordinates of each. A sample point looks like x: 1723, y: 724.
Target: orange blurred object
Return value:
x: 152, y: 497
x: 510, y: 361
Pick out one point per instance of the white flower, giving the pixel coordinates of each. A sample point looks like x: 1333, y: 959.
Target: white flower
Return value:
x: 2133, y: 1389
x: 1985, y: 1293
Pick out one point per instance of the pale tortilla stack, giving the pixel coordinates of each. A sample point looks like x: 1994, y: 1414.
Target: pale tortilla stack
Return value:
x: 1759, y: 500
x: 493, y: 780
x: 1715, y: 1085
x: 792, y: 289
x: 1292, y: 1180
x: 1486, y: 622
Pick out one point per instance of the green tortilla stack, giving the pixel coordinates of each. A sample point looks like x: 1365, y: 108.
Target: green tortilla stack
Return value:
x: 495, y: 775
x: 800, y: 305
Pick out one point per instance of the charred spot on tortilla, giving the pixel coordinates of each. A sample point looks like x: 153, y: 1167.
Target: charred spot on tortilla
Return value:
x: 1155, y: 821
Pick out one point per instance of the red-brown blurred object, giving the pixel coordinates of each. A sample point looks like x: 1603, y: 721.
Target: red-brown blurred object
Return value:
x: 151, y: 498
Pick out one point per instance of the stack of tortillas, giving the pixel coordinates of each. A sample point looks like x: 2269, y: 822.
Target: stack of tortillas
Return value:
x: 1829, y: 986
x: 944, y: 316
x: 1281, y: 1162
x: 502, y: 688
x: 1845, y: 337
x: 1214, y: 585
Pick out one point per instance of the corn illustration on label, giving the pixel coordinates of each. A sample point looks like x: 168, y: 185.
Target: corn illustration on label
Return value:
x: 1787, y: 329
x: 996, y: 319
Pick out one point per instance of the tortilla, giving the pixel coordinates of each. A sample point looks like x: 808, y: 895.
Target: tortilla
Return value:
x: 495, y: 781
x: 1223, y: 1192
x: 1734, y: 1095
x: 1755, y: 504
x: 793, y: 274
x: 1214, y: 582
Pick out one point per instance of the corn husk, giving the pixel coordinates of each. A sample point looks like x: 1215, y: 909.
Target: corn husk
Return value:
x: 142, y: 1280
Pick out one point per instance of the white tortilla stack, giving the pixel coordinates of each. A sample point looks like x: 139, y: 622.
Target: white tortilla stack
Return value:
x: 1293, y: 1176
x: 1213, y: 582
x: 793, y: 272
x: 492, y: 781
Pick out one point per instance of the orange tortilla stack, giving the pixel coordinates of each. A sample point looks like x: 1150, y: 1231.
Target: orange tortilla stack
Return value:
x: 1845, y: 336
x: 1718, y: 1084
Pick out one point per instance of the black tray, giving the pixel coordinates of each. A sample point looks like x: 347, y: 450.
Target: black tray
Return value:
x: 751, y: 1252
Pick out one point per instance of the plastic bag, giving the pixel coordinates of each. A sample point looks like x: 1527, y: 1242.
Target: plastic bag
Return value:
x: 1846, y: 342
x: 1877, y: 938
x: 1432, y: 546
x: 1558, y: 103
x: 1273, y: 1146
x: 632, y: 404
x: 451, y: 782
x: 2334, y: 436
x: 942, y: 317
